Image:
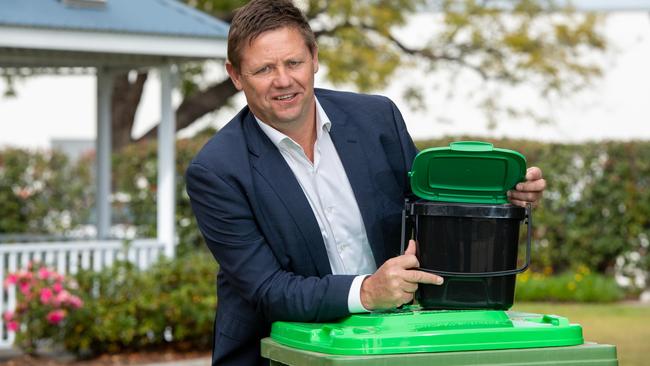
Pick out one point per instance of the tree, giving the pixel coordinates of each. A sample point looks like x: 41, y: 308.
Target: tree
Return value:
x: 504, y: 43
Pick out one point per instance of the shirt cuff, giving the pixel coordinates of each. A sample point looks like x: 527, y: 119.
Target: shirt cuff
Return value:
x: 354, y: 296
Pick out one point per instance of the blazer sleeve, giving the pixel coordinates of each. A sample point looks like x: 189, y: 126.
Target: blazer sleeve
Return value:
x: 408, y: 148
x: 229, y: 227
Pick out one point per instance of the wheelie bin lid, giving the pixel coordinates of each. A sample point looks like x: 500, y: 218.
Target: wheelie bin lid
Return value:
x: 413, y: 331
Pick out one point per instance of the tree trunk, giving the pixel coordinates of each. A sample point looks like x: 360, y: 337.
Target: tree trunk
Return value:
x: 125, y: 101
x: 197, y: 105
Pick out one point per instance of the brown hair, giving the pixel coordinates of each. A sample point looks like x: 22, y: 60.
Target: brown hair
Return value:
x: 259, y: 16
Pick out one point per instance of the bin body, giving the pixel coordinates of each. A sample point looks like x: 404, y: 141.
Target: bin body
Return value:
x: 469, y: 239
x: 588, y: 354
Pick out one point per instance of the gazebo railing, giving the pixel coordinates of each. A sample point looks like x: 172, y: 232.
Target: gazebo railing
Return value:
x: 68, y: 257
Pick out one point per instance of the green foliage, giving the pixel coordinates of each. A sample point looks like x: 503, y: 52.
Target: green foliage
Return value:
x: 521, y: 42
x: 579, y: 285
x: 135, y: 172
x: 37, y: 195
x: 45, y: 303
x: 171, y: 304
x: 595, y: 211
x: 504, y: 43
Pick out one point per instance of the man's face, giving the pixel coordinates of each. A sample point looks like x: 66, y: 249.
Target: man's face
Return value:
x: 276, y: 74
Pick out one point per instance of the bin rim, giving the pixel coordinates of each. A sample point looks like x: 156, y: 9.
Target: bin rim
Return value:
x: 476, y: 210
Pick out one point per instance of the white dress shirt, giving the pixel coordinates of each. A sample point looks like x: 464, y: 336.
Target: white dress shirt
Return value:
x: 330, y: 196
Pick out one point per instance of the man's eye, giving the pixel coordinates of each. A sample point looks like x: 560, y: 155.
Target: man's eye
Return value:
x: 294, y: 63
x: 262, y: 71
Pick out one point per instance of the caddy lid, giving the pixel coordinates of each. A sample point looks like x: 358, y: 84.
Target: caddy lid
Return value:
x: 467, y: 172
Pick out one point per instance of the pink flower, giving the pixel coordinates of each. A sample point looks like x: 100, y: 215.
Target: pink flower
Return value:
x: 24, y: 193
x: 75, y: 302
x: 44, y: 273
x: 46, y: 295
x: 12, y: 326
x: 8, y: 315
x: 60, y: 298
x: 11, y: 280
x: 25, y: 288
x: 55, y: 316
x: 24, y: 275
x: 57, y: 287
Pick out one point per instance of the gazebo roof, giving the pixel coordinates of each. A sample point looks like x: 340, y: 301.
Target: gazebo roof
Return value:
x: 113, y: 33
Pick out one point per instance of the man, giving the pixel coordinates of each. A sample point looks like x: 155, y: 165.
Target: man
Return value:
x: 299, y: 196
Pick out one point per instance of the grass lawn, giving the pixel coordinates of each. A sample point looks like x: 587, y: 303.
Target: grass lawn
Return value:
x: 626, y: 325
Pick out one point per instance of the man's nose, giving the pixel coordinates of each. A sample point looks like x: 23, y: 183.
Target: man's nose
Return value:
x: 282, y: 78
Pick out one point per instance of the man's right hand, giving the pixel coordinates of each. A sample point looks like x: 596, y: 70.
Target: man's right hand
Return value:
x: 395, y: 282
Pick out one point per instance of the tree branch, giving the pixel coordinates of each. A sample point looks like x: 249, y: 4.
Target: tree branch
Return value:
x: 197, y: 105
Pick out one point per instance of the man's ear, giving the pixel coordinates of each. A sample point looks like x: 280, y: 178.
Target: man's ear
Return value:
x: 235, y: 76
x: 314, y: 58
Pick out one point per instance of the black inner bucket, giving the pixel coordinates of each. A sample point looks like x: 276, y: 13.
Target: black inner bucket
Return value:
x: 473, y: 246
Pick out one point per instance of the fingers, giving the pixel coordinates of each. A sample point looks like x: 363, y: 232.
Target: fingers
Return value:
x: 409, y: 287
x: 521, y: 203
x: 411, y: 248
x: 422, y: 277
x: 529, y: 191
x: 394, y: 284
x: 522, y: 198
x: 408, y: 259
x: 531, y: 186
x: 533, y: 173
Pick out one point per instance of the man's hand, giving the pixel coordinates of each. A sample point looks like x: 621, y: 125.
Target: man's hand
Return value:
x: 529, y: 191
x: 394, y: 283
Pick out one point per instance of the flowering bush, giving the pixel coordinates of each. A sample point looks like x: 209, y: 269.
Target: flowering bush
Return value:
x: 169, y: 305
x: 44, y: 300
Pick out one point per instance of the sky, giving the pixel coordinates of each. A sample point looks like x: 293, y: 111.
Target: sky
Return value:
x: 614, y: 107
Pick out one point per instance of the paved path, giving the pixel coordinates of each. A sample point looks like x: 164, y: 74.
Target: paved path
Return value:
x: 8, y: 354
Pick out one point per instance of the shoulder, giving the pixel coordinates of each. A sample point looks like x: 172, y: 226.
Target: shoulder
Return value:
x: 373, y: 112
x: 351, y: 100
x: 226, y: 150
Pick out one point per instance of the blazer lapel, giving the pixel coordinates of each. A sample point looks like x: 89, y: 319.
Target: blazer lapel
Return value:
x: 269, y: 163
x: 348, y: 142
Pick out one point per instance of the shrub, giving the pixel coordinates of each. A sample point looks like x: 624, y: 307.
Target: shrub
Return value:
x: 45, y: 303
x: 581, y: 285
x: 37, y: 195
x: 171, y: 304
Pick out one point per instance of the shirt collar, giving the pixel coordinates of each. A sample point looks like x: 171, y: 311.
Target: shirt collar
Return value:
x: 323, y: 123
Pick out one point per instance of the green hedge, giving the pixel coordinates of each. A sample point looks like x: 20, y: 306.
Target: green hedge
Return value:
x: 596, y: 208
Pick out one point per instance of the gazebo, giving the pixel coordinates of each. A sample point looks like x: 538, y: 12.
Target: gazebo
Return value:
x: 107, y: 37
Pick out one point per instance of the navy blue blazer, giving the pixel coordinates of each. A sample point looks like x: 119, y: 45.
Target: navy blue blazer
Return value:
x: 260, y: 228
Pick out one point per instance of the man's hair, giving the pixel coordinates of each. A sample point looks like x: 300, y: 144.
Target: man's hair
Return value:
x: 259, y: 16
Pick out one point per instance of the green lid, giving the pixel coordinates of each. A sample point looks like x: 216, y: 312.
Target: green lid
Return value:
x: 467, y: 172
x: 429, y: 331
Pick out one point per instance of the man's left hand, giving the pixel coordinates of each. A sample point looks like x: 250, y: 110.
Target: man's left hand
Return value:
x: 529, y: 191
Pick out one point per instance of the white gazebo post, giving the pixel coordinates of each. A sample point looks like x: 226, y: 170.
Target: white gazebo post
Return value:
x: 166, y: 195
x: 103, y: 148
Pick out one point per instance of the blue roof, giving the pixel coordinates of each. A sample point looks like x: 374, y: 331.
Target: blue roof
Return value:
x: 162, y: 17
